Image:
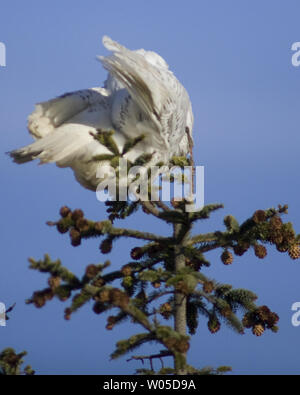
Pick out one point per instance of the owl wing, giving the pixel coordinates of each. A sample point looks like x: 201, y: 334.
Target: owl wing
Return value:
x: 154, y: 89
x: 62, y: 127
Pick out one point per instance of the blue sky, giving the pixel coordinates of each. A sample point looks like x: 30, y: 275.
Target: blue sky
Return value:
x: 234, y: 58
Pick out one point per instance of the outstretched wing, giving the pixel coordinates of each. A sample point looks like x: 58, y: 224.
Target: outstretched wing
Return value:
x: 51, y: 114
x: 155, y: 90
x: 62, y: 127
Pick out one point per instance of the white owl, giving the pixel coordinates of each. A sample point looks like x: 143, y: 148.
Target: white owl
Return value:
x: 140, y: 96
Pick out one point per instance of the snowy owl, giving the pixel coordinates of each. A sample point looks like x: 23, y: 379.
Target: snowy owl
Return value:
x: 141, y: 96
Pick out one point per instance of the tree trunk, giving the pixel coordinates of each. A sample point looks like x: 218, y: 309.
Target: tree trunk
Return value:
x: 180, y: 299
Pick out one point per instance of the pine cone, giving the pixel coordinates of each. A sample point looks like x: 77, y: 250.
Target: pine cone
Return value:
x: 272, y: 320
x: 282, y: 247
x: 64, y: 211
x: 111, y: 321
x: 154, y: 250
x: 104, y: 296
x: 263, y: 313
x: 75, y: 237
x: 247, y: 320
x: 259, y: 216
x: 54, y: 282
x: 48, y: 294
x: 213, y: 325
x: 82, y: 225
x: 68, y: 314
x: 106, y: 246
x: 208, y: 287
x: 61, y: 227
x: 258, y: 330
x: 39, y: 299
x: 294, y: 251
x: 136, y: 253
x: 241, y: 248
x: 276, y: 222
x: 227, y: 257
x: 275, y: 236
x: 166, y: 310
x: 260, y: 251
x: 76, y: 214
x: 91, y: 271
x: 126, y: 270
x: 288, y: 233
x: 98, y: 308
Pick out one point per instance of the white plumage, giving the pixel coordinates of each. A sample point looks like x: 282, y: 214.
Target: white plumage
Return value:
x: 140, y: 96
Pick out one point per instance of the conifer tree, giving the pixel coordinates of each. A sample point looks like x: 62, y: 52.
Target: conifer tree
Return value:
x: 163, y: 289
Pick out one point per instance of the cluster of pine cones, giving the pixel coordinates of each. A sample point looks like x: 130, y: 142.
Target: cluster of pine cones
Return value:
x: 260, y: 319
x: 273, y: 231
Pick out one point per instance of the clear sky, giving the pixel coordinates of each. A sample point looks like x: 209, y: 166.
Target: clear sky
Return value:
x: 234, y: 58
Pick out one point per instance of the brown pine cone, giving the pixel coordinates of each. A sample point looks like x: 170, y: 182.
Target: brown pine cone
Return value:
x: 247, y: 320
x: 104, y: 296
x: 126, y: 270
x: 282, y: 247
x: 64, y: 211
x: 76, y: 214
x: 213, y: 325
x: 98, y: 308
x: 208, y: 287
x: 272, y: 320
x: 260, y: 251
x: 106, y: 246
x: 294, y: 251
x: 54, y: 282
x: 276, y: 222
x: 136, y: 253
x: 241, y: 248
x: 75, y: 237
x: 259, y: 216
x: 258, y: 330
x: 91, y: 271
x: 288, y: 233
x: 275, y: 236
x: 82, y: 225
x: 227, y: 257
x: 61, y: 227
x: 263, y: 313
x: 166, y: 310
x: 39, y: 299
x: 68, y: 313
